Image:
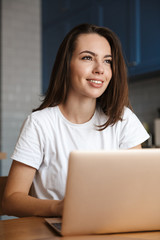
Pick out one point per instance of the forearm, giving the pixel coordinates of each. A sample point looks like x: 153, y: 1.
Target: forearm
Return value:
x: 22, y: 205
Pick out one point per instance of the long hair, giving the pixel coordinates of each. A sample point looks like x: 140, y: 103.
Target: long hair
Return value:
x: 115, y: 97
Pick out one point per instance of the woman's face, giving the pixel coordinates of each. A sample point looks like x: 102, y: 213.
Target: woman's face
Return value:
x: 90, y: 67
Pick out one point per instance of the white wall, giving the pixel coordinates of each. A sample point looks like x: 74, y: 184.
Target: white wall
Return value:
x: 21, y: 69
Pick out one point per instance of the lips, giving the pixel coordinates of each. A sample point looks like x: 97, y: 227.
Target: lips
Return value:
x: 95, y: 82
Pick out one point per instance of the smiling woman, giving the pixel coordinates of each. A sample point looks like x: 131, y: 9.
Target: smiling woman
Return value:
x: 115, y: 97
x: 86, y: 107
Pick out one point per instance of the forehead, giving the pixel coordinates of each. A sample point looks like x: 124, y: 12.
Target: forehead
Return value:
x: 92, y: 41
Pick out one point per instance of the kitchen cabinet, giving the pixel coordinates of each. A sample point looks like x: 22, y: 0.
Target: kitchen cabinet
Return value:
x: 136, y: 22
x: 148, y: 25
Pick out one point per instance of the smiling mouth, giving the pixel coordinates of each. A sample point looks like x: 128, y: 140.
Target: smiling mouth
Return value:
x: 95, y: 81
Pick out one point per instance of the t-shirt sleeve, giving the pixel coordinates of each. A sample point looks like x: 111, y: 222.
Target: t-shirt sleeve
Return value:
x: 131, y: 131
x: 30, y: 144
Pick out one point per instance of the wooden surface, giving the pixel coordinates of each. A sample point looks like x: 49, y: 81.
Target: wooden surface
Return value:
x: 35, y: 228
x: 2, y: 155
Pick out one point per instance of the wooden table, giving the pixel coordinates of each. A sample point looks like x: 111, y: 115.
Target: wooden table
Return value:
x: 35, y: 228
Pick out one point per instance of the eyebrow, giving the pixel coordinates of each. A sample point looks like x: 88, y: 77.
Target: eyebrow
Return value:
x: 94, y: 54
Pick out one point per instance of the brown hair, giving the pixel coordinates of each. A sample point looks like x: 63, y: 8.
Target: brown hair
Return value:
x: 115, y: 97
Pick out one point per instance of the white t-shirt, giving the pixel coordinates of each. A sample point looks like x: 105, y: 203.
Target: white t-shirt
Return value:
x: 47, y: 138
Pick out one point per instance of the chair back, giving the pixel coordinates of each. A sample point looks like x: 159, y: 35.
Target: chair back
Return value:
x: 3, y: 181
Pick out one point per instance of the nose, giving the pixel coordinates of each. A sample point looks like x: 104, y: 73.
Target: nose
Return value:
x: 98, y: 68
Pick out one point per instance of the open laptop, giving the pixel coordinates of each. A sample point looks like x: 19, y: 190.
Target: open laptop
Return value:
x: 111, y: 192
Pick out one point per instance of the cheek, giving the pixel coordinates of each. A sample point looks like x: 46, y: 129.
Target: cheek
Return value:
x: 77, y: 72
x: 75, y: 77
x: 109, y: 73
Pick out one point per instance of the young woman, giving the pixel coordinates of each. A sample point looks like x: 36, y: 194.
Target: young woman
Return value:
x: 86, y: 107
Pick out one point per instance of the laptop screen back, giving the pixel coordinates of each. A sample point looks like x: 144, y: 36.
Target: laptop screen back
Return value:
x: 116, y: 191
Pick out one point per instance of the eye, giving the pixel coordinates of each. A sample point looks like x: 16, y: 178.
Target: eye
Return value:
x: 108, y: 61
x: 87, y: 58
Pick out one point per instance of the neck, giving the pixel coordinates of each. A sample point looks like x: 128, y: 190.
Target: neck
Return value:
x: 78, y: 112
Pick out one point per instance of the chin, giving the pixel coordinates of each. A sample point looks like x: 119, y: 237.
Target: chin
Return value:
x: 97, y: 95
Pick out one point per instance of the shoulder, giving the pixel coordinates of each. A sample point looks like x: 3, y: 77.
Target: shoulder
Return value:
x: 42, y: 120
x: 44, y: 115
x: 127, y: 112
x: 130, y: 117
x: 130, y: 130
x: 130, y: 123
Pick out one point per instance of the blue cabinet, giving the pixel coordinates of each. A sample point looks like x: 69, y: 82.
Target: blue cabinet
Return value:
x: 136, y: 22
x: 148, y: 25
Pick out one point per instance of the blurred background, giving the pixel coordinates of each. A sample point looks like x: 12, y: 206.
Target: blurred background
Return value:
x: 32, y: 30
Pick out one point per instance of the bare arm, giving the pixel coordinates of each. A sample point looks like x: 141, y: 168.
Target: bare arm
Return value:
x: 17, y: 202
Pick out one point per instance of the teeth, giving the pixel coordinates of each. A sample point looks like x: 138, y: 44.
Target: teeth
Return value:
x: 96, y: 81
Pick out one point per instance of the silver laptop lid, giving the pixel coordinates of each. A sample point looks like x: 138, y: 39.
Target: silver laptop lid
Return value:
x: 116, y: 191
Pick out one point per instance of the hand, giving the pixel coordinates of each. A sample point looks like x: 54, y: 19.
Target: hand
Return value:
x: 60, y: 207
x: 57, y: 207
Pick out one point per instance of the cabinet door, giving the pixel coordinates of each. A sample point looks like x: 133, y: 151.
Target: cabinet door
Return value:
x: 149, y: 37
x: 118, y: 16
x: 57, y: 10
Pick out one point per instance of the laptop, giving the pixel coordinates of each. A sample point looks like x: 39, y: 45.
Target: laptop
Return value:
x: 111, y: 192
